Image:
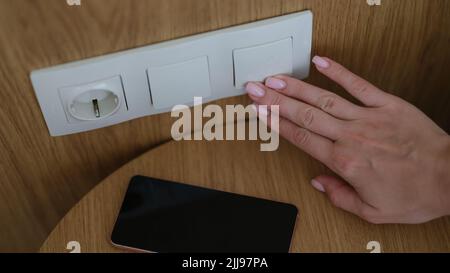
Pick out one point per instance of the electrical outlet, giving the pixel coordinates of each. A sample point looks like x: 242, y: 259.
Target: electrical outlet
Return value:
x: 93, y: 101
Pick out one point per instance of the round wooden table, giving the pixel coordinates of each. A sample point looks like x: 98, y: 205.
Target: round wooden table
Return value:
x: 240, y: 167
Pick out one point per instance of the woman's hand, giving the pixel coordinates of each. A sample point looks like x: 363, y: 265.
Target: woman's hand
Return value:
x: 394, y: 159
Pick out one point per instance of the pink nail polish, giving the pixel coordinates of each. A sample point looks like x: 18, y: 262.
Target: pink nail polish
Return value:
x: 317, y: 185
x: 255, y: 90
x: 320, y: 62
x: 275, y: 83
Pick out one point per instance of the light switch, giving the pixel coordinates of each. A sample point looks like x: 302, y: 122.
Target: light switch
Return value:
x: 179, y: 83
x: 93, y: 101
x: 259, y: 62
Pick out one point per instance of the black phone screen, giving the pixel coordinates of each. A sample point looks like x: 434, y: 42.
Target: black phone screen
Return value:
x: 162, y: 216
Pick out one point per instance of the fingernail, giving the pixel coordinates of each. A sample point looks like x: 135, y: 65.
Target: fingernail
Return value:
x: 317, y: 185
x: 275, y: 83
x: 320, y: 62
x: 255, y: 90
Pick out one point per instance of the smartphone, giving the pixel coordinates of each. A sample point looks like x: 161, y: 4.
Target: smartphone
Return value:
x: 164, y: 217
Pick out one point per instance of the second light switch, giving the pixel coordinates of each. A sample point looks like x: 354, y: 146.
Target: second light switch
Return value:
x: 258, y: 62
x: 179, y: 83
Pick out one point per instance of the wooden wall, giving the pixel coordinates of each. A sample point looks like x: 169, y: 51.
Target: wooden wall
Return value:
x: 402, y: 46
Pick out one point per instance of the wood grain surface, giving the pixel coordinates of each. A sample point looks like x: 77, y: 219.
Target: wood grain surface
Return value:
x: 283, y: 176
x: 403, y: 46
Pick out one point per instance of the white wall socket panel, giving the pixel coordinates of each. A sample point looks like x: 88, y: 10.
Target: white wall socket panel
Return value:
x: 114, y: 88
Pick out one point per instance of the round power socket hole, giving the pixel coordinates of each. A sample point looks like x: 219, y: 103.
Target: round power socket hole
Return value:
x: 94, y: 104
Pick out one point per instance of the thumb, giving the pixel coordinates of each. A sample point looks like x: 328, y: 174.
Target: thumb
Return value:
x: 341, y: 194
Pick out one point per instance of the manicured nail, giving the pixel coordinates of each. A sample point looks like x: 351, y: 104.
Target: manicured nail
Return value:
x: 320, y: 62
x: 255, y: 90
x: 317, y: 185
x: 275, y: 83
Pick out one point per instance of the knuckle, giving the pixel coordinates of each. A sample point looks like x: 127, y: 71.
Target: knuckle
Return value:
x: 338, y: 72
x: 275, y: 100
x: 301, y: 136
x: 359, y: 85
x: 327, y: 102
x: 344, y: 165
x: 335, y: 198
x: 305, y: 117
x: 395, y: 107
